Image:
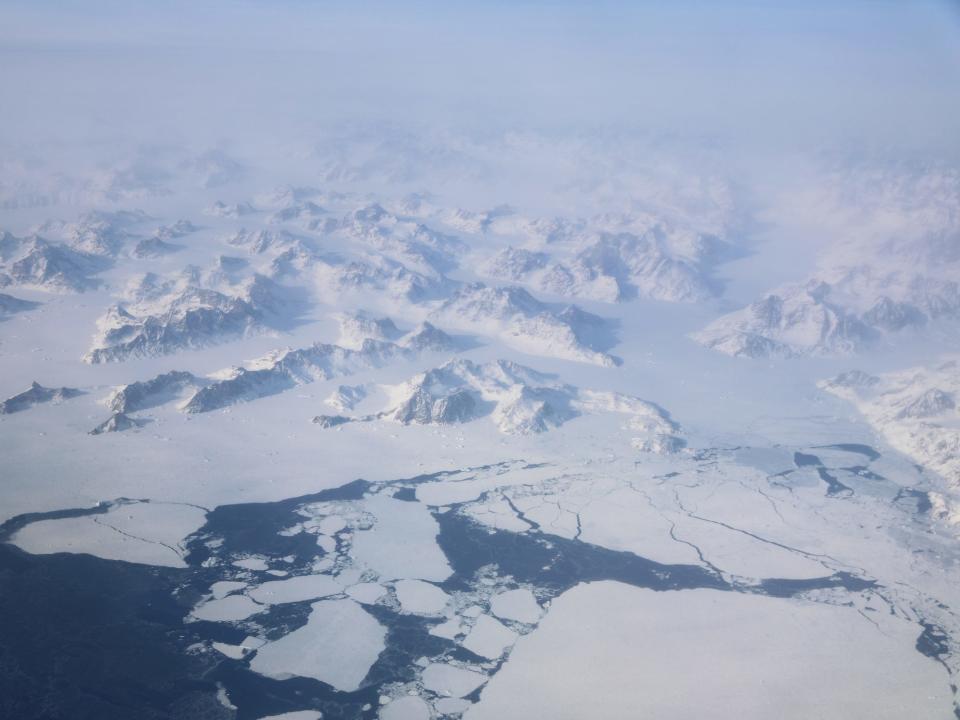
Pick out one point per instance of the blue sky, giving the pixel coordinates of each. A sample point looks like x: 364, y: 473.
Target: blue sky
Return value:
x: 886, y: 72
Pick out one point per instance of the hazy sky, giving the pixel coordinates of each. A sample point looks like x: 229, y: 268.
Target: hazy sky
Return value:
x: 877, y: 72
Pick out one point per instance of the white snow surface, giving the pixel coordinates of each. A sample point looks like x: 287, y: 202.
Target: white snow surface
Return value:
x: 295, y: 589
x: 226, y: 609
x: 321, y: 650
x: 143, y: 532
x: 296, y: 715
x: 519, y: 605
x: 402, y: 542
x: 601, y: 637
x: 452, y: 681
x: 489, y: 638
x: 405, y: 708
x: 417, y: 596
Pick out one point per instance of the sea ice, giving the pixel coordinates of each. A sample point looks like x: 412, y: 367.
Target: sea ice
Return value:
x: 222, y: 588
x: 322, y: 649
x: 251, y: 563
x: 781, y: 658
x: 366, y: 593
x: 451, y: 680
x: 449, y: 629
x: 489, y: 638
x: 416, y: 596
x: 402, y: 543
x: 295, y: 589
x: 408, y: 707
x: 227, y: 609
x: 140, y: 532
x: 519, y: 605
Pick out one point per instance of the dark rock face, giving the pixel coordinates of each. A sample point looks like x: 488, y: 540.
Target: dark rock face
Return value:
x: 424, y: 408
x: 195, y: 319
x: 244, y: 385
x: 456, y: 407
x: 330, y: 421
x: 153, y: 247
x: 933, y: 402
x: 855, y: 379
x: 148, y: 393
x: 35, y: 395
x: 38, y: 262
x: 429, y: 337
x: 118, y: 422
x: 892, y: 316
x: 418, y: 408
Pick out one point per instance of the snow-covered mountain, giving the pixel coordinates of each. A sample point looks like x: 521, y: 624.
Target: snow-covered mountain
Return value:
x: 800, y: 320
x: 34, y: 262
x: 286, y: 369
x: 613, y: 260
x: 35, y: 395
x: 158, y: 244
x: 274, y: 373
x: 520, y: 320
x: 304, y: 213
x: 283, y: 370
x: 355, y: 328
x: 144, y: 394
x: 102, y: 233
x: 820, y: 318
x: 409, y: 242
x: 263, y: 240
x: 118, y: 422
x: 377, y: 275
x: 515, y: 264
x: 230, y: 210
x: 165, y: 317
x: 519, y: 401
x: 346, y: 397
x: 153, y: 248
x: 893, y: 275
x: 175, y: 230
x: 916, y: 412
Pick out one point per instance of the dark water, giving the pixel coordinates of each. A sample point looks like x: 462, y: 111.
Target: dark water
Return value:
x: 82, y: 637
x: 911, y: 499
x: 11, y: 526
x: 804, y: 460
x: 834, y: 486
